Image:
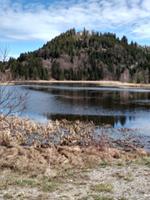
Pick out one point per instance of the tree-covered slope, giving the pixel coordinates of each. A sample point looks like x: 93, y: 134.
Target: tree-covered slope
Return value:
x: 85, y: 56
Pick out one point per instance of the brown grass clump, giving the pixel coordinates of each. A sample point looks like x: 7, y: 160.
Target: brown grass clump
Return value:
x: 39, y: 160
x: 27, y: 146
x: 5, y: 138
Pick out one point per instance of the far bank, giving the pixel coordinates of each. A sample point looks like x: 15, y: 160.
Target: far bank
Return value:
x: 99, y: 83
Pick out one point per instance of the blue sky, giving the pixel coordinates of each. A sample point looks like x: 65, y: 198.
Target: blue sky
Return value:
x: 26, y: 25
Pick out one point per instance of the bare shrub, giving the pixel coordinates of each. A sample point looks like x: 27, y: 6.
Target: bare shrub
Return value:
x: 12, y: 101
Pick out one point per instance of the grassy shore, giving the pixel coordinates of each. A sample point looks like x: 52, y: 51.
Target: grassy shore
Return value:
x: 107, y: 181
x: 43, y: 162
x: 99, y: 83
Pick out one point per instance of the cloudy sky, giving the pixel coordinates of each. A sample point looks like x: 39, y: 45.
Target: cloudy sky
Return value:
x: 26, y: 25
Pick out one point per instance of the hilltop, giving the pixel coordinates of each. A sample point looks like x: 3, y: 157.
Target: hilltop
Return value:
x: 83, y: 56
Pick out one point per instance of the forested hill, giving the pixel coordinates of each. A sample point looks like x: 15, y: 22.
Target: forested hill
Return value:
x: 84, y: 56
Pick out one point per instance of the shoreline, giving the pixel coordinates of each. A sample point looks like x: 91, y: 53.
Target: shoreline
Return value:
x: 82, y: 134
x: 99, y: 83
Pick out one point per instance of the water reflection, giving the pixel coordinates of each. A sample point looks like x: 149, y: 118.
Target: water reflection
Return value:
x: 113, y: 121
x: 103, y: 105
x: 107, y: 98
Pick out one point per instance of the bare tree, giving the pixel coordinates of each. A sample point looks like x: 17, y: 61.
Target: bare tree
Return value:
x: 12, y: 100
x: 4, y: 52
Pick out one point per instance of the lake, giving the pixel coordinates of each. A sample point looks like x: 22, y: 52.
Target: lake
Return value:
x: 120, y: 108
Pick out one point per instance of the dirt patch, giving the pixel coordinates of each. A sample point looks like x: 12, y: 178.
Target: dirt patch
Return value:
x: 109, y: 182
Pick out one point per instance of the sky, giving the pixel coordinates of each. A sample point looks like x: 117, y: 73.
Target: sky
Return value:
x: 25, y: 25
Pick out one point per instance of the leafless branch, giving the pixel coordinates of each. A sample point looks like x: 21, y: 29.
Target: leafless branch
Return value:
x: 4, y: 54
x: 12, y: 100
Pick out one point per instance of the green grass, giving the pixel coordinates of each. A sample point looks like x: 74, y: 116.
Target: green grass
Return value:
x: 104, y: 164
x: 7, y: 196
x: 26, y: 182
x: 102, y: 187
x: 122, y: 198
x: 143, y: 161
x: 49, y: 186
x: 126, y: 177
x: 44, y: 184
x: 120, y: 164
x: 96, y: 197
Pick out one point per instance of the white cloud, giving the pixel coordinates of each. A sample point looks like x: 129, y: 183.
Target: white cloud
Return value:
x: 142, y: 30
x: 36, y: 21
x: 146, y: 5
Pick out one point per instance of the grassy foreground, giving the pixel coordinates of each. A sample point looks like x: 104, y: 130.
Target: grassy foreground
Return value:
x: 117, y: 180
x: 43, y: 162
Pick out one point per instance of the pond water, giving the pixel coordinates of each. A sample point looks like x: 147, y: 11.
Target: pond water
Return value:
x: 128, y: 108
x: 121, y: 108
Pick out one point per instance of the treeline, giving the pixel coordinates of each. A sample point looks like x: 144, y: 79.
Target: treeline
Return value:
x: 31, y: 68
x: 84, y: 56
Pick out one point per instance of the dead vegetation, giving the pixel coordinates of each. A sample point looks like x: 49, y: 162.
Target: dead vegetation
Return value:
x: 28, y: 146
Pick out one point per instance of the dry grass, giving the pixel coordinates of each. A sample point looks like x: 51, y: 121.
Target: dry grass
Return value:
x: 31, y: 150
x: 100, y: 83
x: 19, y: 180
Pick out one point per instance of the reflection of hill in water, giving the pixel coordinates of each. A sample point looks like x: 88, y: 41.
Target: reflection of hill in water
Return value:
x: 107, y: 98
x: 127, y: 108
x: 114, y: 121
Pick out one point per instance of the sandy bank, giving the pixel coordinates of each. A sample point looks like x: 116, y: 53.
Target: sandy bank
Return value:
x: 99, y: 83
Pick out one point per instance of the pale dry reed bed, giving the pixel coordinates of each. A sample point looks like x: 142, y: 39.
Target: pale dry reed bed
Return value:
x: 61, y: 160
